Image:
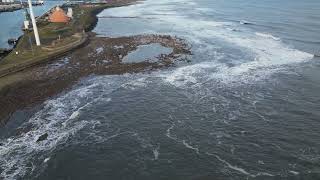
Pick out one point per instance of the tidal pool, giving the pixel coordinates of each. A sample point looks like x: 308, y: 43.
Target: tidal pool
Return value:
x: 149, y: 52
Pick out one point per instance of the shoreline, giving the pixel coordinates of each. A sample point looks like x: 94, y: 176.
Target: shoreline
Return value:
x: 10, y: 7
x: 33, y: 85
x: 43, y: 59
x: 8, y: 63
x: 9, y: 80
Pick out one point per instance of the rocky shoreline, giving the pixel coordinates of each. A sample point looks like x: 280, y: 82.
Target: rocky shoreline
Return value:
x: 100, y: 56
x: 56, y: 39
x: 10, y: 7
x: 4, y: 52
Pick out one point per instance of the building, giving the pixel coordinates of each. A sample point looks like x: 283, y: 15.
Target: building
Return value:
x: 7, y: 1
x: 70, y: 13
x: 58, y: 15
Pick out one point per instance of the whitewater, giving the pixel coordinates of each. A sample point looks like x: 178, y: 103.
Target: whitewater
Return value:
x: 242, y: 106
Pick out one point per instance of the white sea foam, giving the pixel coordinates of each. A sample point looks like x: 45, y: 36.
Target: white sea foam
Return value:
x: 168, y: 134
x: 269, y: 53
x: 46, y: 160
x: 156, y: 153
x: 267, y: 36
x: 99, y: 50
x: 187, y: 145
x: 18, y: 151
x: 294, y: 172
x: 59, y: 119
x: 239, y: 169
x: 74, y: 115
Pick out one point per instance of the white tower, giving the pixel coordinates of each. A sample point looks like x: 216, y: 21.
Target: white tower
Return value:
x: 34, y: 24
x: 70, y: 13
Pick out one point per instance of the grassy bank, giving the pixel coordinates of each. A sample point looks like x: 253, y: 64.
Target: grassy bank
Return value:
x: 56, y: 39
x: 34, y: 83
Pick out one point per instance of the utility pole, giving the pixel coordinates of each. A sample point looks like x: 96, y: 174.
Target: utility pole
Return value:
x: 34, y: 24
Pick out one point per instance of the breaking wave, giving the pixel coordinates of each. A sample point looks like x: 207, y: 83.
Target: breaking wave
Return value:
x: 250, y: 56
x: 59, y: 120
x: 268, y: 54
x: 56, y: 120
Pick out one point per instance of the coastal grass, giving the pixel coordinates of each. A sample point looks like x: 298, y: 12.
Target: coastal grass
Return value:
x: 56, y: 38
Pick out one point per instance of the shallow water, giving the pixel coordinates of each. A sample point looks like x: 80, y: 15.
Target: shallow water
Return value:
x: 245, y: 107
x: 149, y: 53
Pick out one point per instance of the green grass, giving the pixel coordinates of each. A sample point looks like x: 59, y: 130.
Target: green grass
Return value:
x: 84, y: 20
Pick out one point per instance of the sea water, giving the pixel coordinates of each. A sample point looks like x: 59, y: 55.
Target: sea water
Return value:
x: 246, y: 106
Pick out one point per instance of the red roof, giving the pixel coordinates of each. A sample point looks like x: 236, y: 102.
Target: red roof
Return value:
x: 58, y: 15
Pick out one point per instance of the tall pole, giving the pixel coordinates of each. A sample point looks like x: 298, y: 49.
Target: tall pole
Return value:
x: 34, y: 24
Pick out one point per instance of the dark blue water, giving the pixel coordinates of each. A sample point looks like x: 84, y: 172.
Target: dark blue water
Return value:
x: 245, y: 107
x: 294, y: 21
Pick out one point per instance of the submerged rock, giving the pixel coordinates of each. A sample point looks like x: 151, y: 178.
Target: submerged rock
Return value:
x: 43, y: 137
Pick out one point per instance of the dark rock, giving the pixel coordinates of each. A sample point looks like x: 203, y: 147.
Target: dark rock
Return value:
x: 4, y: 51
x: 12, y: 41
x: 43, y: 137
x: 23, y: 130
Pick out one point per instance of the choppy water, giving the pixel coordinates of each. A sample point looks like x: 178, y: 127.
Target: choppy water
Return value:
x: 245, y: 107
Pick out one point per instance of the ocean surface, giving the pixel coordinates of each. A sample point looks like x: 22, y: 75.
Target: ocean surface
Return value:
x: 246, y: 106
x: 12, y: 22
